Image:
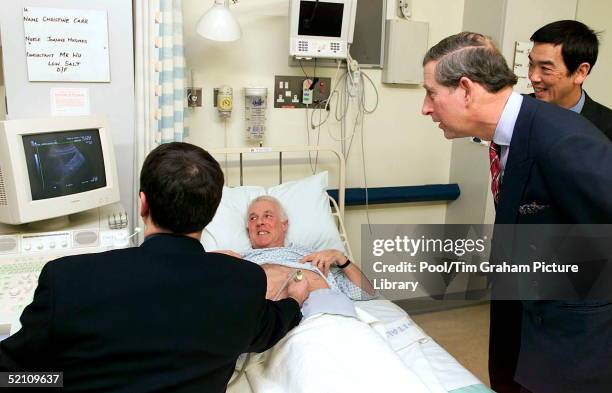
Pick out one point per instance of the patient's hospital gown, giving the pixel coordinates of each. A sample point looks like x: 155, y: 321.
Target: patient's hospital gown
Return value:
x: 290, y: 255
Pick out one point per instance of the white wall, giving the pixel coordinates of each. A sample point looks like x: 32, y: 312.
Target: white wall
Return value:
x: 2, y: 90
x: 402, y: 146
x: 116, y: 99
x: 523, y: 17
x: 486, y: 17
x: 596, y: 14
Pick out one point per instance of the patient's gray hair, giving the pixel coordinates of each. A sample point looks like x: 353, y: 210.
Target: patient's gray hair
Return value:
x: 268, y: 198
x: 474, y: 56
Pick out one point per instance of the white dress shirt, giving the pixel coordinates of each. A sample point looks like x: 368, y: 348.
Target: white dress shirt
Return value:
x: 505, y: 126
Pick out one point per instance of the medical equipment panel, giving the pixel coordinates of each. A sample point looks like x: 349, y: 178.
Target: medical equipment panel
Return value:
x: 24, y: 251
x: 368, y: 37
x: 321, y: 29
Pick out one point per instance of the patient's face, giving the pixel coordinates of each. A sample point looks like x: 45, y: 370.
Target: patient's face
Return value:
x: 265, y: 226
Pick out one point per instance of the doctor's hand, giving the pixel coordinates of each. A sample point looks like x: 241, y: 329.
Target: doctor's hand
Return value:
x: 299, y: 290
x: 324, y: 260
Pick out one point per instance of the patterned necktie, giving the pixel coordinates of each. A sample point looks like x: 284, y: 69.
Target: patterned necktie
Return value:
x: 494, y: 158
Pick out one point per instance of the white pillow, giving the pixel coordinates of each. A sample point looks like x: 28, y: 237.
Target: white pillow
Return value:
x: 311, y: 223
x: 227, y: 230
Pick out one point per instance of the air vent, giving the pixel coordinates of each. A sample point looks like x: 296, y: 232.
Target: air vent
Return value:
x: 8, y: 243
x: 86, y: 238
x: 3, y: 201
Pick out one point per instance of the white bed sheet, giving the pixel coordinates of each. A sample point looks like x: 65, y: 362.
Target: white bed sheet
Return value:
x: 419, y: 352
x: 448, y: 371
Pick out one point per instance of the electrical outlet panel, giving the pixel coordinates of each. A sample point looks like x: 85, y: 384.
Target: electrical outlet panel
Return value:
x: 290, y: 92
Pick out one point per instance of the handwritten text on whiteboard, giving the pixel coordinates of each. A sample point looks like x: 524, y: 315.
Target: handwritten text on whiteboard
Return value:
x: 66, y: 44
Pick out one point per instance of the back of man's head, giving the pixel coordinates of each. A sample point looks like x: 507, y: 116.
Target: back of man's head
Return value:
x: 579, y: 44
x: 183, y: 186
x: 470, y: 55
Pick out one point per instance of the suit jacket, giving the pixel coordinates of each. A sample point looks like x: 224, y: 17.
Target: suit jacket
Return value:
x: 560, y: 163
x: 598, y: 114
x: 165, y: 316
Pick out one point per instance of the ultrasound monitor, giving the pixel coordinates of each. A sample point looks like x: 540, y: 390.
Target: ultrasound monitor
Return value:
x: 55, y: 167
x: 321, y: 29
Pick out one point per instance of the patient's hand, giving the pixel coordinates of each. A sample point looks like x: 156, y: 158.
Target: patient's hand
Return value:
x: 325, y: 259
x: 229, y: 252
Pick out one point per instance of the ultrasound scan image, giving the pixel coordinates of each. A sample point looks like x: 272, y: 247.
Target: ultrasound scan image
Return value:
x: 64, y: 163
x: 64, y: 166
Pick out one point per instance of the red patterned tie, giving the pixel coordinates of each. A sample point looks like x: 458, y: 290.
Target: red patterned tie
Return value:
x: 494, y: 158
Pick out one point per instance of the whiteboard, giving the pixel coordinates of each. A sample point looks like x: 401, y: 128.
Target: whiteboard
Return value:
x: 66, y: 45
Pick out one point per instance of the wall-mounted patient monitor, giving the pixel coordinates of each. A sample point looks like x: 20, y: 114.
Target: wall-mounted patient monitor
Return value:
x: 321, y: 29
x: 53, y: 167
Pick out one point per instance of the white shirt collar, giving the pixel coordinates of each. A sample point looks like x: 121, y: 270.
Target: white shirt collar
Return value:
x: 505, y: 126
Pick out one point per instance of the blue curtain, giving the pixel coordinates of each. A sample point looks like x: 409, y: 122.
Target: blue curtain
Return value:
x: 171, y: 72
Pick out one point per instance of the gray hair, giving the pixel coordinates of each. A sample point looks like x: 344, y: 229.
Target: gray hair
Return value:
x: 470, y: 55
x: 268, y: 198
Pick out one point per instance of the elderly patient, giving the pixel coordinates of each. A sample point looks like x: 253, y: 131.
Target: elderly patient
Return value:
x: 332, y: 281
x: 267, y: 226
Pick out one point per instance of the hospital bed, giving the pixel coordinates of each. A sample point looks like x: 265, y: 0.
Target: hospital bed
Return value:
x: 309, y: 206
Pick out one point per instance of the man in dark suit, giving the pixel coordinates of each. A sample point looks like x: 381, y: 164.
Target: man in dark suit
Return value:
x: 165, y: 316
x: 556, y: 169
x: 563, y: 55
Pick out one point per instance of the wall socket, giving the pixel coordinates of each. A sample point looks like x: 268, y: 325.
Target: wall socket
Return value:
x: 289, y: 93
x: 194, y: 97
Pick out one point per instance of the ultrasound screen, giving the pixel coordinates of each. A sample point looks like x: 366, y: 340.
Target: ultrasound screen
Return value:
x: 64, y: 163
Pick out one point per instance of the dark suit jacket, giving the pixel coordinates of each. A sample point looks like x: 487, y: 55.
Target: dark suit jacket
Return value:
x: 165, y: 316
x: 598, y: 114
x: 561, y: 162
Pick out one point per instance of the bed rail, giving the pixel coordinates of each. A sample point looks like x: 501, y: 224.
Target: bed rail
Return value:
x: 242, y: 151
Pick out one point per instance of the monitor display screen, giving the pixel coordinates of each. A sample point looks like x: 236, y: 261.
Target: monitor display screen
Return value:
x: 320, y: 19
x: 64, y: 163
